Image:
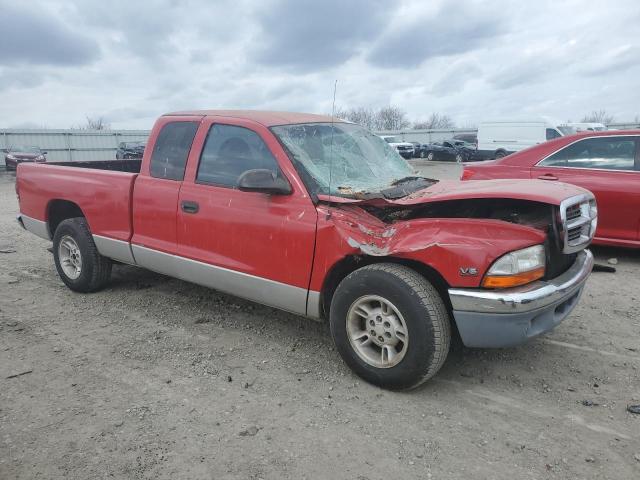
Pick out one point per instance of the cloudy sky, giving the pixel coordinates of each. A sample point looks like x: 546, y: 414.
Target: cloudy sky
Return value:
x: 131, y: 60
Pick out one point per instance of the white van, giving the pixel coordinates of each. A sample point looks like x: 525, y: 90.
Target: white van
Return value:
x: 498, y: 139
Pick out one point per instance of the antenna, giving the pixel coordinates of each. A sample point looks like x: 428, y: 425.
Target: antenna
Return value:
x: 333, y: 113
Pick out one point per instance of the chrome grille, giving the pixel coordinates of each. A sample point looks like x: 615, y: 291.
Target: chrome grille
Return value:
x: 574, y: 234
x: 579, y: 221
x: 573, y: 212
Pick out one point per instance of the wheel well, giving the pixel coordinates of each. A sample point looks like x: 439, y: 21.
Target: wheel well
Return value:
x: 351, y: 263
x: 60, y: 210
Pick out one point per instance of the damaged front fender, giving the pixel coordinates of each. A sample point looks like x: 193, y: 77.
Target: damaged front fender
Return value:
x: 447, y: 245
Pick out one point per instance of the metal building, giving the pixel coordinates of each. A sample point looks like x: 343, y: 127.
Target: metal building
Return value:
x: 71, y: 145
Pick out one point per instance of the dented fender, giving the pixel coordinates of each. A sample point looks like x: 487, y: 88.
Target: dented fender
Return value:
x: 454, y: 247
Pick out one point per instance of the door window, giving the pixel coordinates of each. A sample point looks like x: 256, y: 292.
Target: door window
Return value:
x: 229, y: 151
x: 609, y: 153
x: 171, y: 150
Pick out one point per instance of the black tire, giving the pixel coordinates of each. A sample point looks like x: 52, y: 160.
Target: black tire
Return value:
x: 423, y: 311
x: 500, y: 154
x: 430, y: 156
x: 459, y: 158
x: 421, y: 154
x: 95, y: 269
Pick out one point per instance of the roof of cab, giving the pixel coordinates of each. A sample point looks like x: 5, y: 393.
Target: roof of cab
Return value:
x: 266, y: 118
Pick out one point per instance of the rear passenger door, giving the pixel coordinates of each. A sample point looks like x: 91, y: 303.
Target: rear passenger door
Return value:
x: 250, y: 244
x: 156, y: 189
x: 608, y: 166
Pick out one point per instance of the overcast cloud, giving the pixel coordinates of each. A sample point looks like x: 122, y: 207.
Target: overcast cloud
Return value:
x: 130, y: 61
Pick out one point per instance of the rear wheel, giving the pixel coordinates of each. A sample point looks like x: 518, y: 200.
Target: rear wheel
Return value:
x: 430, y: 156
x: 421, y: 154
x: 390, y: 326
x: 458, y: 158
x: 77, y: 260
x: 500, y: 154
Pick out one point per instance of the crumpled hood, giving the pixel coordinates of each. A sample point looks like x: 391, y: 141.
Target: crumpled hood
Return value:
x: 542, y: 191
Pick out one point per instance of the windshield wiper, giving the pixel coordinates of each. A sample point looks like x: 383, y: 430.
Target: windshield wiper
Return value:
x: 406, y: 186
x: 408, y: 179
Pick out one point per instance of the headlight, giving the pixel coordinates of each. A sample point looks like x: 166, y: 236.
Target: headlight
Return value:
x: 516, y: 268
x: 11, y: 157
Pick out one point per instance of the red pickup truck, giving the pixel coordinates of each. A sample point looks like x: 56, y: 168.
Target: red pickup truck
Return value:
x: 322, y: 218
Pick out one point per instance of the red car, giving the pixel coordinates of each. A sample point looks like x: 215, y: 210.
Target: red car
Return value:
x: 606, y: 163
x: 18, y: 154
x: 323, y: 218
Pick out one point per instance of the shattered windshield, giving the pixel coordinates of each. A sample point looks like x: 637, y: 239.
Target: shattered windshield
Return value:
x: 347, y: 160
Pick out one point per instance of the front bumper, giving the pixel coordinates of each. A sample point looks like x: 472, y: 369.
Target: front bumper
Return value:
x: 509, y: 317
x: 13, y: 163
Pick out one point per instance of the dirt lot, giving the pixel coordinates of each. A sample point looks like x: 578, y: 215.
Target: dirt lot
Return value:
x: 157, y: 378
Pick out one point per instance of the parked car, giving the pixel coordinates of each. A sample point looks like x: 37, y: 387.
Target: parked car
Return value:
x: 418, y: 149
x: 405, y: 149
x: 499, y: 139
x: 457, y: 151
x: 128, y: 150
x: 19, y: 153
x: 322, y: 218
x: 606, y: 163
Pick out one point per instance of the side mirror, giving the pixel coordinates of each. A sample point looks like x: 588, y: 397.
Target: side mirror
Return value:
x: 44, y: 153
x: 263, y: 180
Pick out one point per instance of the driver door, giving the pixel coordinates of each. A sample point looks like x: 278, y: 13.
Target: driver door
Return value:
x: 254, y: 245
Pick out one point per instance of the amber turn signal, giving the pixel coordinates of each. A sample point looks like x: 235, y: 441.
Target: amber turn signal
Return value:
x: 505, y: 281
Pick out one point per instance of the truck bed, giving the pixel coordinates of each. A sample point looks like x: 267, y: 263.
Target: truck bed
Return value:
x: 95, y: 187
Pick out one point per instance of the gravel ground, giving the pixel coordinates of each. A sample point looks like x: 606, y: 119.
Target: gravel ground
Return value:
x: 158, y: 378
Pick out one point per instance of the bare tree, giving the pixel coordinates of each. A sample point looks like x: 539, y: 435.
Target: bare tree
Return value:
x: 385, y: 118
x: 599, y: 116
x: 98, y: 123
x: 436, y: 120
x: 390, y: 118
x: 361, y: 116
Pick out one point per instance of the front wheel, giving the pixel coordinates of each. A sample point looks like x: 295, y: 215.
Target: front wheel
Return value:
x: 390, y: 326
x: 77, y: 260
x: 458, y: 158
x: 430, y: 156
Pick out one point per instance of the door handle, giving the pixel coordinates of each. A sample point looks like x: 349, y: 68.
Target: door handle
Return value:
x: 548, y: 176
x: 189, y: 206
